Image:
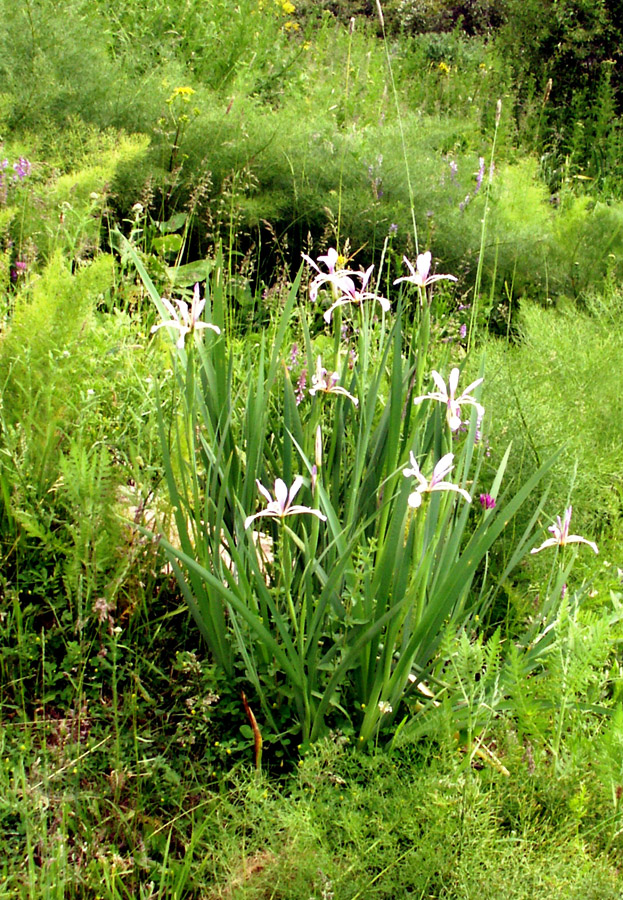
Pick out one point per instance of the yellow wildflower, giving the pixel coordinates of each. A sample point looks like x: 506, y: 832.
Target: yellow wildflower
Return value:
x: 184, y: 93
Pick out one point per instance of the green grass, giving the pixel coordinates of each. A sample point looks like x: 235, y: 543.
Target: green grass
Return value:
x: 559, y: 387
x: 418, y: 823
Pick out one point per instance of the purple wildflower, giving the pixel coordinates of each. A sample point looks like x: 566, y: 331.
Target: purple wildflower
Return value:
x: 436, y: 483
x: 447, y: 395
x: 463, y: 331
x: 480, y: 174
x: 393, y: 228
x: 327, y: 383
x: 419, y: 273
x: 21, y: 168
x: 487, y: 501
x: 18, y: 268
x: 301, y: 384
x: 351, y: 295
x: 294, y: 355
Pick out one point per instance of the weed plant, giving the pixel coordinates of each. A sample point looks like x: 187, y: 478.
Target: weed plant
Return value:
x: 75, y: 427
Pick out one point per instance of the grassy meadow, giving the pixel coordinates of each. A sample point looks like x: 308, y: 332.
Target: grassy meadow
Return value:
x: 311, y: 506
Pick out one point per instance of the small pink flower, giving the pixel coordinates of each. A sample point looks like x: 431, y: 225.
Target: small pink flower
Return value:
x: 419, y: 274
x: 281, y: 505
x: 487, y: 501
x: 443, y: 468
x: 447, y: 395
x: 350, y: 294
x: 184, y: 320
x: 323, y: 382
x: 560, y: 530
x: 300, y: 387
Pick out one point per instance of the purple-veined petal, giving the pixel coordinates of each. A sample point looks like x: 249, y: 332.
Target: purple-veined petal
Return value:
x: 453, y: 382
x: 434, y: 278
x: 328, y: 314
x: 550, y: 542
x: 471, y: 387
x: 415, y: 472
x: 330, y: 259
x: 311, y: 262
x: 257, y: 515
x: 281, y: 494
x: 198, y: 303
x: 442, y: 468
x: 443, y: 390
x: 413, y: 277
x: 365, y: 277
x: 295, y: 488
x: 170, y: 308
x: 448, y: 486
x: 209, y: 325
x: 184, y: 314
x: 423, y: 266
x: 346, y: 285
x: 263, y: 491
x: 576, y: 539
x: 169, y: 323
x: 302, y: 510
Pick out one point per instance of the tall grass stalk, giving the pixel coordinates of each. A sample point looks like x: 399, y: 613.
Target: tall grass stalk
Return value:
x: 400, y: 124
x: 351, y: 29
x: 473, y: 319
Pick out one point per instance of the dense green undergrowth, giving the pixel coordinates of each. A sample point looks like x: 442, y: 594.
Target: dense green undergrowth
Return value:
x: 342, y: 826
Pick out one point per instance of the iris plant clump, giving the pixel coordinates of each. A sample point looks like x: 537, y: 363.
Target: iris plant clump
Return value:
x: 346, y: 623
